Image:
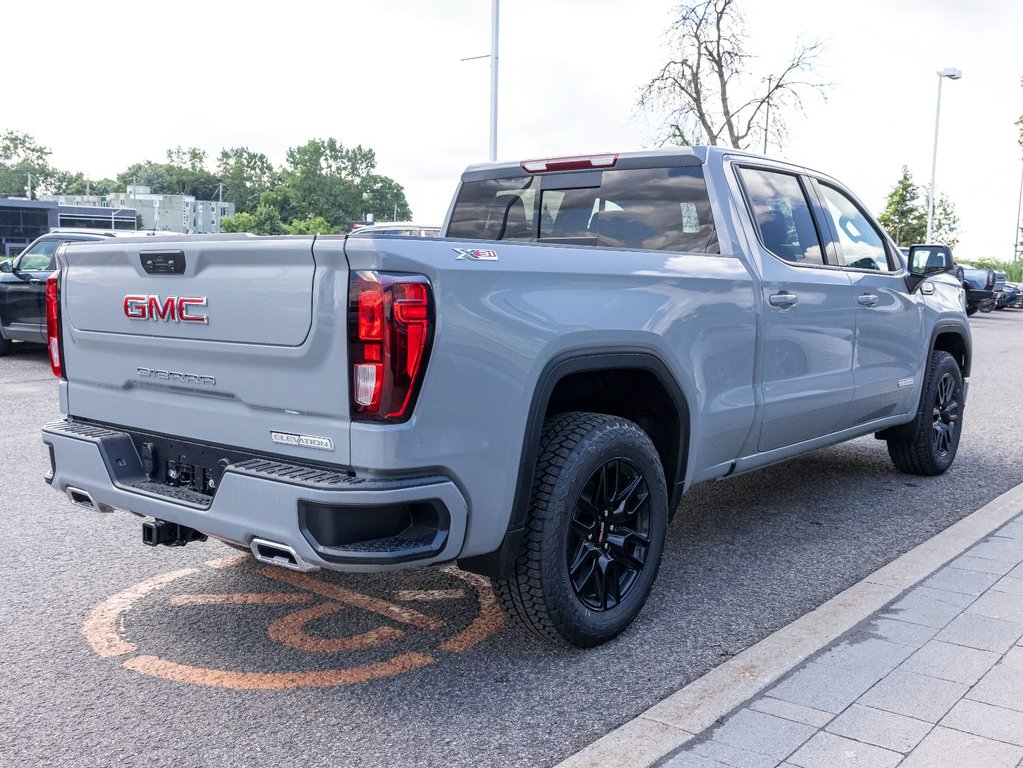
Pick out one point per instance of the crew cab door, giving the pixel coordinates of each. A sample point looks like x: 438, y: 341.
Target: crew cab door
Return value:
x: 809, y: 319
x: 890, y: 346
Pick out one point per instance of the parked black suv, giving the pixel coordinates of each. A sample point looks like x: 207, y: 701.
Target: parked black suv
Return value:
x: 23, y: 287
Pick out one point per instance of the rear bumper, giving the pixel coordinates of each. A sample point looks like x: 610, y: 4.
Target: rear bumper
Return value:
x: 328, y: 519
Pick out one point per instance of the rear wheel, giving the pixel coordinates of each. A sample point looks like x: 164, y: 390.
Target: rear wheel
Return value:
x: 595, y: 533
x: 938, y: 423
x: 5, y: 346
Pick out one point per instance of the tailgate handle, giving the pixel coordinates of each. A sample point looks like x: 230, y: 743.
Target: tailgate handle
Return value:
x: 163, y: 262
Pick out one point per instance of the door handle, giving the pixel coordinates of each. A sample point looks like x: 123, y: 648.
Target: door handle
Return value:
x: 783, y: 300
x: 866, y: 299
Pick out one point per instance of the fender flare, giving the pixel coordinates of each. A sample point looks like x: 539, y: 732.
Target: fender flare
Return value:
x: 499, y: 564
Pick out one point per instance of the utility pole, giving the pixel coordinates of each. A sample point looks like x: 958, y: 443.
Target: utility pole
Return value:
x: 29, y: 185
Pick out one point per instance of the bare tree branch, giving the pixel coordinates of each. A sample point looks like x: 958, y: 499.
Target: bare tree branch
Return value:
x: 695, y: 92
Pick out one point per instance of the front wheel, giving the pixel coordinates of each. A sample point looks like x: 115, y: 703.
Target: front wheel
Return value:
x: 938, y: 424
x: 595, y: 533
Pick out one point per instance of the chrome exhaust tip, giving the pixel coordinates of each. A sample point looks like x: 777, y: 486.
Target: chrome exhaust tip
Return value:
x: 81, y: 498
x: 273, y: 553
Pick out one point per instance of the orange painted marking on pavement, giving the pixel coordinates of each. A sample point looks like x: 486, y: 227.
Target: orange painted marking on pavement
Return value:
x: 183, y: 673
x: 355, y: 599
x: 102, y: 626
x: 227, y: 562
x: 489, y: 621
x: 410, y: 595
x: 240, y: 598
x: 290, y: 631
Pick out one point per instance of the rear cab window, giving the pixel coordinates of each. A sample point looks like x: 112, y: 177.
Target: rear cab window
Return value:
x: 652, y: 209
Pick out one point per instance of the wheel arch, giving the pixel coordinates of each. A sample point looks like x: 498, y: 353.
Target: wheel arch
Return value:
x: 951, y: 337
x: 596, y: 380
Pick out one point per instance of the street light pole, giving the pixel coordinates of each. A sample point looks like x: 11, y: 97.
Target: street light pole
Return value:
x: 1019, y: 202
x: 493, y: 81
x: 951, y: 74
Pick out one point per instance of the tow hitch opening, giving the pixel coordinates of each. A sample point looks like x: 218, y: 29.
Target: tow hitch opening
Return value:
x: 169, y: 534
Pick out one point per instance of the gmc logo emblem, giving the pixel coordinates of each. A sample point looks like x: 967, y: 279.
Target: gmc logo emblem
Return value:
x: 176, y: 308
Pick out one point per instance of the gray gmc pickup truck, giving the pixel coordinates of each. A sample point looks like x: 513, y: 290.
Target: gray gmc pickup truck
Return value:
x: 529, y: 395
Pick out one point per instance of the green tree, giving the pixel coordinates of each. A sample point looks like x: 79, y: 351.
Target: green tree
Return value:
x: 322, y: 178
x: 184, y: 173
x: 187, y: 170
x: 246, y: 176
x: 148, y: 174
x: 904, y: 218
x: 315, y: 225
x: 265, y: 220
x: 945, y: 227
x: 22, y: 156
x: 76, y: 183
x: 240, y: 222
x: 384, y: 198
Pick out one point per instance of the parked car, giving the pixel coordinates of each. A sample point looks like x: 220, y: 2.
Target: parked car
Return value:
x: 397, y: 228
x: 23, y: 283
x: 979, y: 284
x: 1010, y: 297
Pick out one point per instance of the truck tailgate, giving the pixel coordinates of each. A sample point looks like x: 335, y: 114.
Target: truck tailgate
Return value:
x: 211, y: 338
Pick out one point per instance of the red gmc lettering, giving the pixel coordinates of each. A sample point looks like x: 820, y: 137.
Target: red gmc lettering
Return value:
x: 178, y: 309
x: 165, y: 312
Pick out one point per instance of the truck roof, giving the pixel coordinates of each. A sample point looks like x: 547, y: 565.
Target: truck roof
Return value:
x: 664, y: 156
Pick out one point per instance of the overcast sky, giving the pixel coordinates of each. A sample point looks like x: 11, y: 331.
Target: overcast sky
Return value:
x: 105, y: 86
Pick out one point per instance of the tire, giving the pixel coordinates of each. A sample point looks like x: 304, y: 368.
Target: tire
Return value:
x: 5, y: 346
x: 579, y: 591
x: 938, y: 423
x: 971, y: 311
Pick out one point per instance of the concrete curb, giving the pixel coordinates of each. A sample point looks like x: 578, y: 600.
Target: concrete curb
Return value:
x: 669, y: 724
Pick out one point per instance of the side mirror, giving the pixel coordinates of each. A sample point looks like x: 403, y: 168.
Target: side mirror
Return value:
x: 7, y: 266
x: 925, y: 260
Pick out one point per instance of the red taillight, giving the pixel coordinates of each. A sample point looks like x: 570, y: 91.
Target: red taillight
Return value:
x: 390, y: 330
x: 578, y: 163
x: 53, y: 325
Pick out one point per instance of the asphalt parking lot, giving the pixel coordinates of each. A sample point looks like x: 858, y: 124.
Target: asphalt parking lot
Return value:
x: 115, y: 653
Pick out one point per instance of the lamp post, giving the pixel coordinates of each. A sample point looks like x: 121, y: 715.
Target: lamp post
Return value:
x: 951, y: 74
x: 114, y: 213
x: 1019, y: 203
x: 495, y: 16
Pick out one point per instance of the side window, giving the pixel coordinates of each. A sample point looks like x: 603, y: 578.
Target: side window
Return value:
x: 39, y: 257
x: 860, y: 244
x: 782, y: 215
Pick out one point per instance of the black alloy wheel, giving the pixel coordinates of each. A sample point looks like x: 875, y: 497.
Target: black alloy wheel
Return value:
x: 946, y: 416
x: 609, y: 535
x: 595, y: 532
x: 928, y: 444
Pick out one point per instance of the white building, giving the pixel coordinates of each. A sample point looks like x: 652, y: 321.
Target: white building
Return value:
x: 175, y: 213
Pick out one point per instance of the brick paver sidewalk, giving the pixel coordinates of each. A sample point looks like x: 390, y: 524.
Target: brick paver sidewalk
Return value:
x: 934, y: 679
